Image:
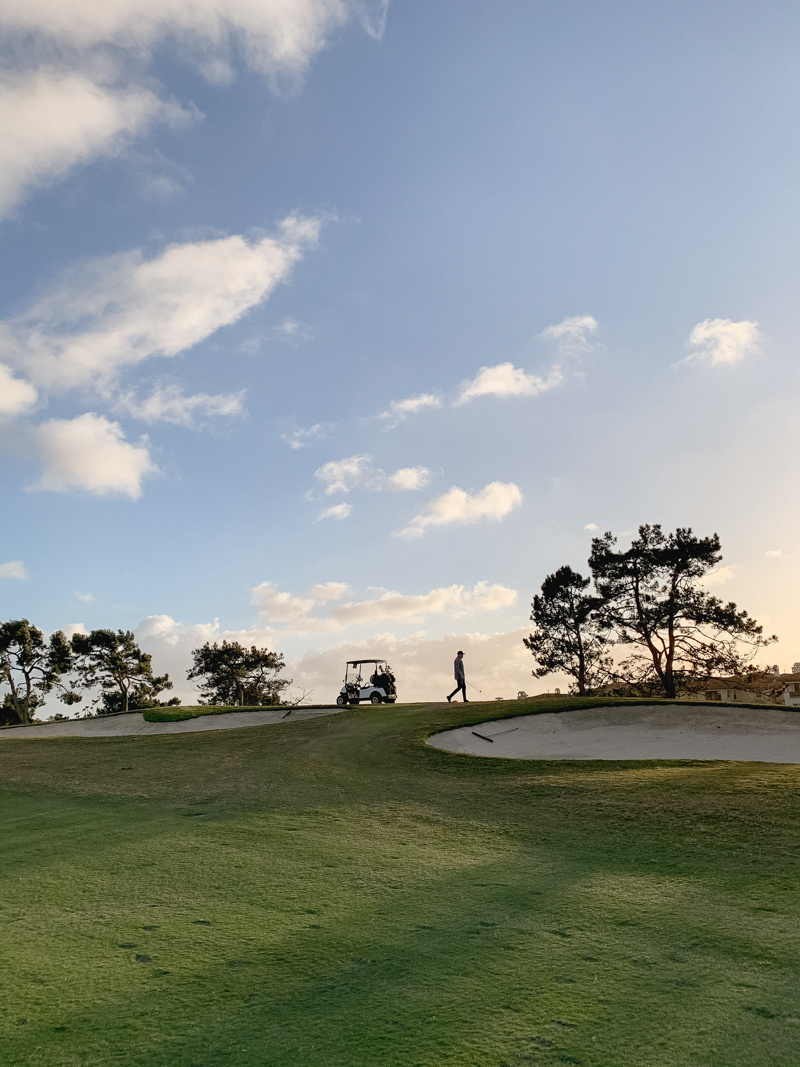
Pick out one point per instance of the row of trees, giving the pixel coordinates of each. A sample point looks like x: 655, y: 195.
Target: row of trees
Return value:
x: 110, y: 665
x: 649, y: 600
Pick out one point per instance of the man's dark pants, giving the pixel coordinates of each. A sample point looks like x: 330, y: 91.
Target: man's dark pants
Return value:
x: 462, y: 685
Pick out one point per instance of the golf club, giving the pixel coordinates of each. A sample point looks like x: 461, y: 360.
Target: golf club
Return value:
x: 475, y: 687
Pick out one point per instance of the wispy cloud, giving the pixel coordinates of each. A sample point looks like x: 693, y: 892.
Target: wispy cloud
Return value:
x: 78, y: 108
x: 119, y: 310
x: 399, y: 410
x: 52, y: 120
x: 572, y: 334
x: 277, y: 40
x: 15, y: 568
x: 359, y: 472
x: 293, y: 332
x: 301, y: 437
x: 460, y: 508
x: 337, y: 511
x: 168, y: 403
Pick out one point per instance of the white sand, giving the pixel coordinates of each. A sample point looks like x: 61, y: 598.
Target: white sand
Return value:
x: 670, y: 731
x: 134, y: 723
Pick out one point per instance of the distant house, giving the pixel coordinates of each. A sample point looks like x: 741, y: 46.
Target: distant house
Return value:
x: 730, y: 690
x: 791, y: 686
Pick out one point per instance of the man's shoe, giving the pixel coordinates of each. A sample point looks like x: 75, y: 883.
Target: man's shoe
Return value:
x: 448, y: 700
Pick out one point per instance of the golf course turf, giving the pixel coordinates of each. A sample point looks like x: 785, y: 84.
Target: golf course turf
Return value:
x: 336, y: 892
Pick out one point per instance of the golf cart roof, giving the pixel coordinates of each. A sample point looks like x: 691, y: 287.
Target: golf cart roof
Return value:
x: 356, y: 662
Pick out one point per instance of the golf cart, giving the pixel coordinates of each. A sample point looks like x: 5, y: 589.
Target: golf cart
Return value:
x: 379, y: 689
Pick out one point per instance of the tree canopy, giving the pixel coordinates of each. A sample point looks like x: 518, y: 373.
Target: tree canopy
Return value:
x: 651, y: 600
x: 568, y: 637
x: 649, y: 597
x: 233, y: 674
x: 32, y: 667
x: 114, y: 661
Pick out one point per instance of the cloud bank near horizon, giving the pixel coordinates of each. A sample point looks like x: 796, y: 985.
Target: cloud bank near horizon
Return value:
x: 497, y: 663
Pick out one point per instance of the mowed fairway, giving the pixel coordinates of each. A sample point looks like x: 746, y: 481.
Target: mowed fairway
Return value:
x: 336, y: 892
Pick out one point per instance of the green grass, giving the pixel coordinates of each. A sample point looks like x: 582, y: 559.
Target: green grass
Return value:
x: 336, y: 893
x: 178, y: 714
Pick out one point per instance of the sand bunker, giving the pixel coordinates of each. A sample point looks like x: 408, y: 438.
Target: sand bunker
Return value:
x: 667, y: 731
x: 133, y: 724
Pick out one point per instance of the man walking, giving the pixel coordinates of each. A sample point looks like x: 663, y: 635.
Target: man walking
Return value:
x: 461, y: 681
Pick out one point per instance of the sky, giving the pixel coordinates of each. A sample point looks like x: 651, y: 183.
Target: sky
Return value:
x: 335, y: 326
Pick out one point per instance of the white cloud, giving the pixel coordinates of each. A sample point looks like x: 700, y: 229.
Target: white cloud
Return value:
x: 277, y: 39
x: 720, y: 341
x: 507, y: 380
x: 504, y: 379
x: 329, y: 591
x: 53, y: 119
x: 407, y: 479
x: 400, y: 409
x: 456, y: 601
x: 590, y: 526
x: 275, y: 606
x: 718, y: 576
x: 773, y: 553
x: 571, y: 334
x: 338, y: 511
x: 15, y: 568
x: 458, y: 507
x: 91, y: 453
x: 122, y: 309
x: 342, y: 475
x: 85, y: 598
x: 16, y: 396
x: 300, y: 438
x: 170, y: 404
x: 358, y: 472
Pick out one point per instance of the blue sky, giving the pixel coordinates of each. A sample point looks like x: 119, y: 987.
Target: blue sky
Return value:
x: 334, y: 327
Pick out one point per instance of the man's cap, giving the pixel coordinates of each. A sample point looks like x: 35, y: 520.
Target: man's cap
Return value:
x: 459, y: 653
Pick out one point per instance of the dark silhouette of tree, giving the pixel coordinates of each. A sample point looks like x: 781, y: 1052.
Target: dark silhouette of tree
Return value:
x: 113, y: 660
x: 567, y: 636
x: 651, y: 600
x: 32, y: 667
x: 233, y: 674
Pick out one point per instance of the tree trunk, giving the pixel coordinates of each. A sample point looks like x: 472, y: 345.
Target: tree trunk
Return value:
x: 24, y: 705
x: 20, y: 706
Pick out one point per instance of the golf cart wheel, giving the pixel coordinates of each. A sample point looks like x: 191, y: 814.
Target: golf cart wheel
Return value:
x: 341, y: 701
x: 375, y: 699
